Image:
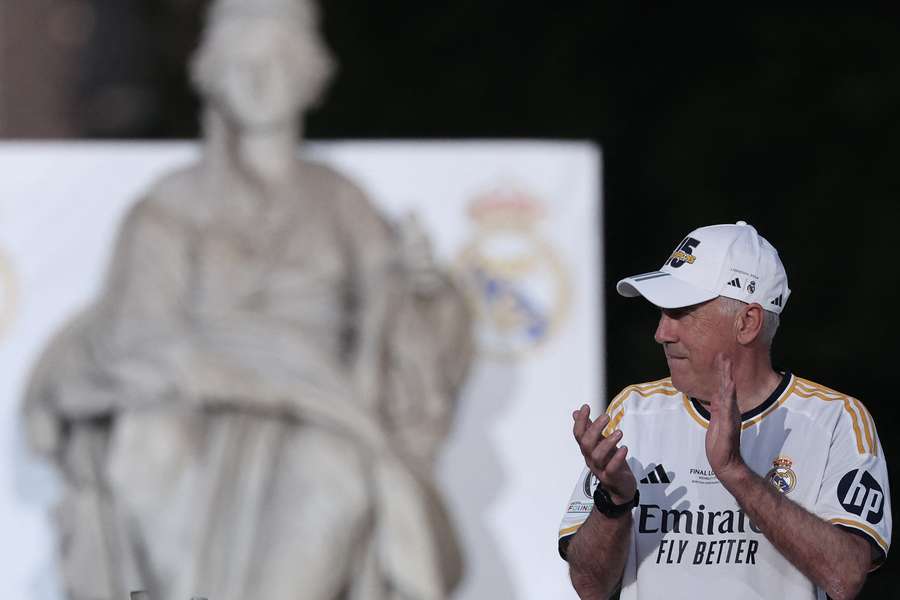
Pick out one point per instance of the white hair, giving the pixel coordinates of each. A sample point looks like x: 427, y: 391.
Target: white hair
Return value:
x: 770, y: 323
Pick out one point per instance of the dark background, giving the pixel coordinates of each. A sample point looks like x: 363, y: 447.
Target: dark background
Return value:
x: 788, y: 120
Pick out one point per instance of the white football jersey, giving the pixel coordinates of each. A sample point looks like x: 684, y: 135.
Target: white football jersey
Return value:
x: 690, y: 538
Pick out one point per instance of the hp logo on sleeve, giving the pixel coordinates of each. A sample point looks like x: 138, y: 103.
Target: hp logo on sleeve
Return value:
x: 860, y: 494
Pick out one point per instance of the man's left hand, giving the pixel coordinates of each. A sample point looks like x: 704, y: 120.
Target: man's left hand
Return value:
x: 723, y: 438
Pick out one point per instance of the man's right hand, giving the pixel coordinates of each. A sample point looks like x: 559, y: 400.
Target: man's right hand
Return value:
x: 603, y: 457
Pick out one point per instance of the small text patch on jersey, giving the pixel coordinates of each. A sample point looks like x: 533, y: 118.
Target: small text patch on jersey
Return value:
x: 704, y: 476
x: 860, y: 494
x: 580, y: 507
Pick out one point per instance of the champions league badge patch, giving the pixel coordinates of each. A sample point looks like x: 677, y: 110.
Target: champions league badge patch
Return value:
x: 513, y: 277
x: 782, y: 476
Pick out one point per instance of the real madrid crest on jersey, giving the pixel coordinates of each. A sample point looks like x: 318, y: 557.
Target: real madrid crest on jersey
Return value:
x: 513, y: 276
x: 781, y: 475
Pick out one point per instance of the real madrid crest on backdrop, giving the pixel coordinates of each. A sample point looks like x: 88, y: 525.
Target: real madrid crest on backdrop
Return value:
x: 515, y: 278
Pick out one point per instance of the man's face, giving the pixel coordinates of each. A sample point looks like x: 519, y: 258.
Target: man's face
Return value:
x: 691, y: 338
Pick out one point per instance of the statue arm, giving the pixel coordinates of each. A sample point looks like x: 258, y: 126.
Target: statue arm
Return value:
x: 374, y: 274
x: 414, y: 336
x: 429, y: 348
x: 119, y: 350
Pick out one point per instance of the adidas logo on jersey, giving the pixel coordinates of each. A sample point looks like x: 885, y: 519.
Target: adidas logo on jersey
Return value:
x: 735, y: 282
x: 657, y: 475
x: 777, y: 301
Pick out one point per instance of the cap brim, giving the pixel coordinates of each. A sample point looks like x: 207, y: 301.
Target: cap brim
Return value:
x: 663, y: 290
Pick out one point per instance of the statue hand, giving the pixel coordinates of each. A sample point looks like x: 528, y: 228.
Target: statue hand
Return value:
x: 44, y: 432
x: 416, y: 255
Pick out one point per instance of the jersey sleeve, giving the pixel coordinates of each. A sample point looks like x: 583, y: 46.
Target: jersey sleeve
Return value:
x: 580, y: 505
x: 855, y: 494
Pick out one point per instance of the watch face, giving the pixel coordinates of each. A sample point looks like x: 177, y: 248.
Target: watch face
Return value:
x: 602, y: 500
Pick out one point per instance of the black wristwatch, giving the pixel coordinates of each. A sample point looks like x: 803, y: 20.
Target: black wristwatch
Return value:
x: 604, y: 504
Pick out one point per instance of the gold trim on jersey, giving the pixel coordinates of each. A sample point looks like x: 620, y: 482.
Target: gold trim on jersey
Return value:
x: 692, y: 412
x: 689, y: 406
x: 614, y: 422
x: 645, y: 390
x: 865, y: 419
x: 570, y: 530
x: 810, y: 389
x: 863, y: 527
x: 803, y: 388
x: 781, y: 400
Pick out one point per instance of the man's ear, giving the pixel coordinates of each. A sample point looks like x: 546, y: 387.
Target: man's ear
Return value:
x: 749, y: 324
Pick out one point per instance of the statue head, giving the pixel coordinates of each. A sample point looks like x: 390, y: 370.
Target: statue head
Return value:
x: 261, y: 62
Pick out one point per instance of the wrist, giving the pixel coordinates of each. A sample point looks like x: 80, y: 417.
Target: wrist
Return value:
x: 619, y: 498
x: 735, y: 476
x: 613, y: 506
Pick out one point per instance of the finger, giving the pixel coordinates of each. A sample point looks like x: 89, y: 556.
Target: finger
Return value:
x: 604, y: 450
x: 582, y: 418
x: 726, y: 379
x: 616, y: 463
x: 728, y: 392
x: 723, y: 368
x: 594, y: 434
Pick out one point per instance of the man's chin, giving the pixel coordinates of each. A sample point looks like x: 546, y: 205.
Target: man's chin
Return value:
x: 688, y: 388
x: 679, y: 383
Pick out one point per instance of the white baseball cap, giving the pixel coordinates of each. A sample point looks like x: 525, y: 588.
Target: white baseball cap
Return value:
x: 719, y: 260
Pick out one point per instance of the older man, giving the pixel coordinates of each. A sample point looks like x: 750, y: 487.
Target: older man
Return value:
x: 737, y: 480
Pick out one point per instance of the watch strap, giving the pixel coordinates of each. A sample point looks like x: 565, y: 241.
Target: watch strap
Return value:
x: 604, y: 504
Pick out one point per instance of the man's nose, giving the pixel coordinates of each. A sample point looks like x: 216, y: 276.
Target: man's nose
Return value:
x: 665, y: 330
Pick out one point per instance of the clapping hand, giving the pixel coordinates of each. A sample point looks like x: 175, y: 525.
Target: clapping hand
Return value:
x: 602, y: 456
x: 723, y: 438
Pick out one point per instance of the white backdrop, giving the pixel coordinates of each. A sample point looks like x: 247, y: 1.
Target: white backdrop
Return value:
x: 510, y: 464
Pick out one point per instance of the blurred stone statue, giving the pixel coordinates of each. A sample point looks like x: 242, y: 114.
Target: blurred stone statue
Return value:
x: 252, y: 406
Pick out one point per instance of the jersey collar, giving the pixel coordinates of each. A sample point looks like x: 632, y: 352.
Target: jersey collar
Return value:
x: 751, y: 417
